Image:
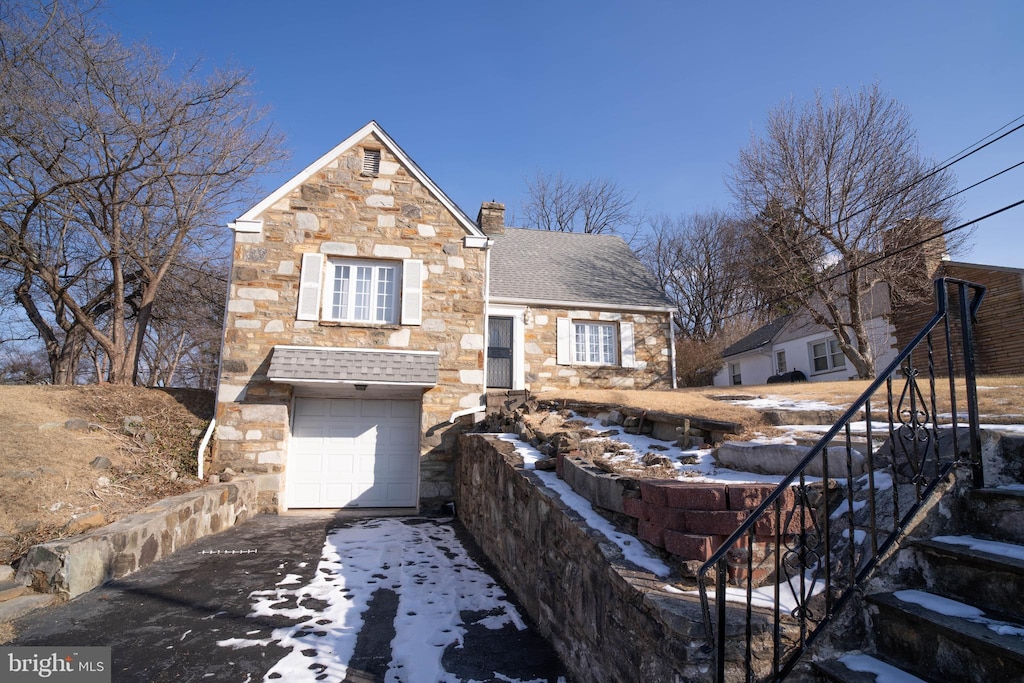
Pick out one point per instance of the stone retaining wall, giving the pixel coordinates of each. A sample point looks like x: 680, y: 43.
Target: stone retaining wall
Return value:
x: 72, y: 566
x: 608, y: 619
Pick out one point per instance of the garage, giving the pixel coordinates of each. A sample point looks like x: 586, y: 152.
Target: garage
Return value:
x: 353, y: 453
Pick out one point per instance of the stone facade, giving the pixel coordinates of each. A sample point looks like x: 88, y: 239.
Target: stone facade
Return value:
x: 652, y: 367
x: 349, y: 206
x: 340, y: 210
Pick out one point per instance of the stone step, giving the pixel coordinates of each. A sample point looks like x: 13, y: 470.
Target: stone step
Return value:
x: 11, y: 589
x: 997, y: 512
x: 939, y: 643
x: 6, y: 572
x: 12, y: 609
x: 988, y: 574
x: 862, y: 668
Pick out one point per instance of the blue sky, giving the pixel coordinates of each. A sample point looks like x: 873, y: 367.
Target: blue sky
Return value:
x: 657, y: 96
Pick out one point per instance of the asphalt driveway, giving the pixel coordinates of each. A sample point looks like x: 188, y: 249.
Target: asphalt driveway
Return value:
x: 309, y: 598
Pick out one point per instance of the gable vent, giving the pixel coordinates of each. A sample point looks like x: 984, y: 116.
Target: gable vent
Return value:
x: 371, y: 161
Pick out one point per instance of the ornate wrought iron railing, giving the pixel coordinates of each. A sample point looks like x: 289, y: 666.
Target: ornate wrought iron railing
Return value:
x: 816, y: 538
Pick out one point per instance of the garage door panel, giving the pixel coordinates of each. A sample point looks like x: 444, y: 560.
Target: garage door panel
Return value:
x: 375, y: 408
x: 352, y: 452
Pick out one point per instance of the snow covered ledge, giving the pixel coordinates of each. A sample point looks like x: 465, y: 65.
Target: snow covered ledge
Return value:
x: 609, y: 618
x: 74, y: 565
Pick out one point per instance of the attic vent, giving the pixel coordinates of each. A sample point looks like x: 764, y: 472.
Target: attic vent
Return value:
x: 371, y: 161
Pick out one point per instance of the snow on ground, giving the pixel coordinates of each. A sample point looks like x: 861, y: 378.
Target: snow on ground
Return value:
x: 699, y: 466
x: 630, y: 546
x: 982, y: 545
x: 884, y: 673
x: 952, y: 608
x: 782, y: 403
x: 436, y: 582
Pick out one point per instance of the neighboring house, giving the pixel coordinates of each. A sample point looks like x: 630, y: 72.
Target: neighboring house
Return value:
x: 368, y: 316
x: 796, y: 343
x: 999, y: 332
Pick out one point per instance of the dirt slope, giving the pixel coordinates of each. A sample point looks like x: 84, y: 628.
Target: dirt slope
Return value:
x: 46, y: 476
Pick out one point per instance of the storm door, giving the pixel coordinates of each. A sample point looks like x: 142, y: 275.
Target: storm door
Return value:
x: 499, y: 353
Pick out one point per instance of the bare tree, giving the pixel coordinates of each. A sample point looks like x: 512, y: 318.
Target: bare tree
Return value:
x: 597, y: 206
x: 183, y: 337
x: 835, y: 189
x: 698, y: 260
x: 114, y: 166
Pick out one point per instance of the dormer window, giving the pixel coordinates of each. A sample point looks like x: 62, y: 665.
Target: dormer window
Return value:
x: 371, y: 162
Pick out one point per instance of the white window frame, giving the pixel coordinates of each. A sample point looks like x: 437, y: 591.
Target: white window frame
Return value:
x: 595, y: 343
x: 833, y: 356
x: 735, y: 374
x: 780, y: 362
x: 348, y: 305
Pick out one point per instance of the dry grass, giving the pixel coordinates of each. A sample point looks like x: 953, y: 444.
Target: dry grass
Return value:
x: 45, y: 474
x: 1001, y: 399
x: 694, y: 402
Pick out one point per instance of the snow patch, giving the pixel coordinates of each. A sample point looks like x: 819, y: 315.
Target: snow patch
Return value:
x: 884, y: 673
x: 423, y: 563
x: 630, y: 546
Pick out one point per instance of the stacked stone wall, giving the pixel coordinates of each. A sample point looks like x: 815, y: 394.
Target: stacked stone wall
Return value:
x: 72, y: 566
x: 608, y: 619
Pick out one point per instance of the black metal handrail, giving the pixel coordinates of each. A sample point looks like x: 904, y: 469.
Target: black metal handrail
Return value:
x: 807, y: 554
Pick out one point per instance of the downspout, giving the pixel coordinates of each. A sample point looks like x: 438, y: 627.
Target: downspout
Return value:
x: 201, y: 455
x: 672, y: 348
x: 220, y: 356
x: 487, y: 304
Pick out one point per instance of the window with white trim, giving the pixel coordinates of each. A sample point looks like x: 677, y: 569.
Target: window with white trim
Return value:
x: 734, y: 374
x: 780, y: 361
x: 361, y: 291
x: 594, y: 342
x: 826, y: 355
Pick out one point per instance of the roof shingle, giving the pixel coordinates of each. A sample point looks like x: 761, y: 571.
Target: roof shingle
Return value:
x: 542, y: 265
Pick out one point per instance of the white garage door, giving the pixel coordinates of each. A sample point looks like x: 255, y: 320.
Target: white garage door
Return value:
x: 353, y: 453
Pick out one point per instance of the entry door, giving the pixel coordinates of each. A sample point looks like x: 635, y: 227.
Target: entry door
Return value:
x: 499, y: 353
x: 353, y: 453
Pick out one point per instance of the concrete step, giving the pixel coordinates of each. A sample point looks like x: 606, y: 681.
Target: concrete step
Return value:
x: 998, y: 513
x: 946, y: 640
x: 862, y: 668
x: 12, y: 609
x: 987, y: 574
x: 11, y: 589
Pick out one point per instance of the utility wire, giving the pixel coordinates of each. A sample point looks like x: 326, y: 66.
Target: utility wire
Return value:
x: 880, y: 258
x: 942, y: 166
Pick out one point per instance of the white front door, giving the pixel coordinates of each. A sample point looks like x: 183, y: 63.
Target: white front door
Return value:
x: 353, y: 453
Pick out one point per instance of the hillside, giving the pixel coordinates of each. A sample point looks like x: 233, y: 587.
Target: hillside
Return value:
x: 76, y: 457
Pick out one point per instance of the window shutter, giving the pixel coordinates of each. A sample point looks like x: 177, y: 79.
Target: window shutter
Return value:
x: 564, y: 341
x: 412, y: 291
x: 626, y: 345
x: 309, y: 287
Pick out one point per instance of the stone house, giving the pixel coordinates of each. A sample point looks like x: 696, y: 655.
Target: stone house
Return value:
x: 368, y: 317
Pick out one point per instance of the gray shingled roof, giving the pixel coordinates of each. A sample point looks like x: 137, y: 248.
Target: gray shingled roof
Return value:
x: 541, y: 265
x: 352, y: 365
x: 757, y: 338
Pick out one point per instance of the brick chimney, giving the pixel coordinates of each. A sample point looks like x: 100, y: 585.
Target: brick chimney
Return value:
x: 491, y: 218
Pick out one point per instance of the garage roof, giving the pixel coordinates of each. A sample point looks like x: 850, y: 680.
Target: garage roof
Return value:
x: 297, y: 364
